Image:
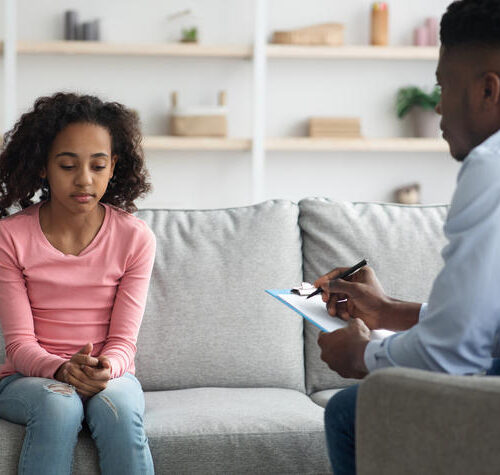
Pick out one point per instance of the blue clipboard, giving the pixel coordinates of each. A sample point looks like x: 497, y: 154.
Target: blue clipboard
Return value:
x: 313, y: 310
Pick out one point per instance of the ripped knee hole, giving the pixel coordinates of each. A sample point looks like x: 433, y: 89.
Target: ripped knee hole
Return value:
x: 108, y: 402
x: 60, y: 388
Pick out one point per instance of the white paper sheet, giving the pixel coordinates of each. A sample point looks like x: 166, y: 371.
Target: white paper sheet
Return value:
x: 314, y: 310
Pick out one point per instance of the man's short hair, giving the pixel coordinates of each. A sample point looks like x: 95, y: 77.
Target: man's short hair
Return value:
x: 471, y: 22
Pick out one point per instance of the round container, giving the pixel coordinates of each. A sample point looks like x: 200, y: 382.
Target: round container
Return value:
x: 380, y: 24
x: 432, y: 25
x: 421, y: 37
x: 425, y: 122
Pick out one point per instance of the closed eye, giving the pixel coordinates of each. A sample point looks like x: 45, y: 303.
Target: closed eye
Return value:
x: 70, y: 167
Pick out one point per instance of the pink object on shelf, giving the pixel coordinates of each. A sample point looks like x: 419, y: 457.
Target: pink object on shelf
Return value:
x: 421, y: 36
x: 432, y: 25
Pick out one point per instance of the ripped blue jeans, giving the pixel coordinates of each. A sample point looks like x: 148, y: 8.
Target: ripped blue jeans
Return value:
x: 53, y: 414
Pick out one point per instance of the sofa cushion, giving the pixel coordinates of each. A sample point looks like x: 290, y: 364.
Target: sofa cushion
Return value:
x: 85, y: 459
x: 233, y: 430
x: 402, y: 243
x: 208, y: 320
x: 321, y: 398
x: 213, y: 430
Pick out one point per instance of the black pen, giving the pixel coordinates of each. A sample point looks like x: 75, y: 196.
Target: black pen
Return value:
x: 344, y: 274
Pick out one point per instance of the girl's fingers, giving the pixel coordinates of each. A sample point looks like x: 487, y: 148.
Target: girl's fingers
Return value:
x: 97, y: 374
x: 84, y: 393
x: 78, y: 387
x: 83, y: 381
x: 88, y: 360
x: 81, y: 386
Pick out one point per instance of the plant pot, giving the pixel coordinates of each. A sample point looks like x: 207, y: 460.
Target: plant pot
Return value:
x: 425, y: 122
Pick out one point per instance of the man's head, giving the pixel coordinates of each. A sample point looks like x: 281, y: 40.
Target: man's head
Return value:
x: 469, y: 74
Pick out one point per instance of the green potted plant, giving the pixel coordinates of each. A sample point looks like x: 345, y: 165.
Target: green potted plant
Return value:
x: 420, y: 105
x: 190, y: 35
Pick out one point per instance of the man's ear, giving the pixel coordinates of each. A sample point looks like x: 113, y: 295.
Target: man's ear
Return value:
x: 491, y: 88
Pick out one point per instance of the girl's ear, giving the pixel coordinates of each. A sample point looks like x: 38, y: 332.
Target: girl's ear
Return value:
x: 43, y: 173
x: 114, y: 159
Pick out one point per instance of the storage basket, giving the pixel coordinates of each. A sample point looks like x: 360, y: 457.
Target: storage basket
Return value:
x: 331, y: 34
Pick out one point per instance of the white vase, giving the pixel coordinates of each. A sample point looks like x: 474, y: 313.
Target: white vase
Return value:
x: 425, y: 122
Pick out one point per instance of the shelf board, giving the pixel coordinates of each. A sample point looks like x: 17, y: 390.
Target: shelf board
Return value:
x: 137, y: 49
x: 169, y: 143
x: 353, y: 52
x: 296, y: 144
x: 227, y: 51
x: 307, y: 144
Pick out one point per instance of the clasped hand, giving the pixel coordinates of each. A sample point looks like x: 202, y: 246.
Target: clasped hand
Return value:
x: 88, y: 374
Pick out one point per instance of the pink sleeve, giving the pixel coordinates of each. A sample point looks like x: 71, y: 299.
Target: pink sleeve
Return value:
x: 21, y: 345
x: 128, y: 308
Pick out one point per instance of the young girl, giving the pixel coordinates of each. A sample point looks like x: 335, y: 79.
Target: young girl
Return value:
x: 74, y: 276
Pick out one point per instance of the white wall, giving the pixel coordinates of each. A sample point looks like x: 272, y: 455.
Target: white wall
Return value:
x: 297, y: 89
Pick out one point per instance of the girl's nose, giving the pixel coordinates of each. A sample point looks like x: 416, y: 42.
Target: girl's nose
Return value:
x: 84, y: 177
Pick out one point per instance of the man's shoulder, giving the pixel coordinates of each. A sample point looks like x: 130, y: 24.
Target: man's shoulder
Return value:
x: 481, y: 168
x: 477, y: 196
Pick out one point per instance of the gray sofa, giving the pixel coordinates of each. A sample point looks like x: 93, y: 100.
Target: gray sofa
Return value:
x: 232, y: 378
x: 415, y: 422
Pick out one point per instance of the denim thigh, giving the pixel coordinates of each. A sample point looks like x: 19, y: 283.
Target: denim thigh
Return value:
x: 22, y: 397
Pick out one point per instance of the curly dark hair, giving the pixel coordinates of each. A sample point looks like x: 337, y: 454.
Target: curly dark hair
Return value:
x: 26, y: 147
x: 471, y: 22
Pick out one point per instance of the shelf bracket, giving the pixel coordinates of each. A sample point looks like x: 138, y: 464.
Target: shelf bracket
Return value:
x: 259, y: 100
x: 10, y: 64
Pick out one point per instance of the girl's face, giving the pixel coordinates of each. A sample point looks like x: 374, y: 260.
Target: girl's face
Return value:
x: 79, y: 166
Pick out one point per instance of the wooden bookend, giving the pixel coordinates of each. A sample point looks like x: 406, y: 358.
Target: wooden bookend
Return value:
x: 222, y: 98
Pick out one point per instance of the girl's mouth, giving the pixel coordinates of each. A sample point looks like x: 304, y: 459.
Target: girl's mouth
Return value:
x: 82, y: 198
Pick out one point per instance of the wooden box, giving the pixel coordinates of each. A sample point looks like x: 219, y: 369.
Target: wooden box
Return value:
x: 331, y: 34
x: 335, y: 127
x: 199, y: 121
x: 199, y: 125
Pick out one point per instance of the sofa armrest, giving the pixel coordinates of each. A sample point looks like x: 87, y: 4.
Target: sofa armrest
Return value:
x: 414, y: 422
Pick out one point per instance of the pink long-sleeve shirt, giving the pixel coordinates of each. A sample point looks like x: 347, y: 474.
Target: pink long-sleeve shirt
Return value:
x: 52, y: 304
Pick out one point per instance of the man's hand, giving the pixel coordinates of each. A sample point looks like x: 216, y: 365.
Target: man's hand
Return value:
x: 365, y: 296
x: 343, y: 350
x: 89, y: 375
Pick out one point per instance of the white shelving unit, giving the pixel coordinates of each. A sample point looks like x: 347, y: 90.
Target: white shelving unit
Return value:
x: 411, y: 53
x: 168, y: 143
x: 10, y: 63
x: 138, y: 49
x: 306, y: 144
x: 353, y: 52
x: 260, y: 53
x: 297, y: 144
